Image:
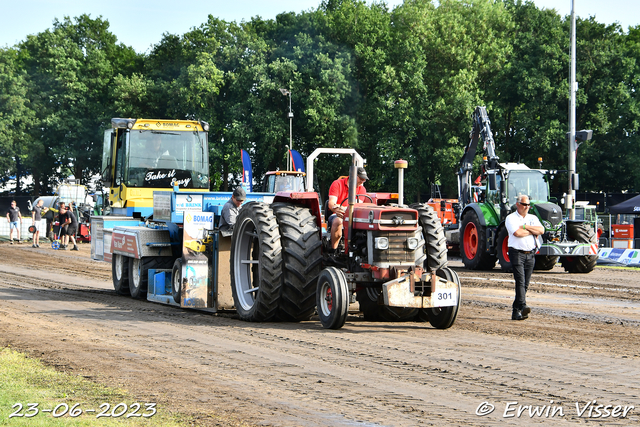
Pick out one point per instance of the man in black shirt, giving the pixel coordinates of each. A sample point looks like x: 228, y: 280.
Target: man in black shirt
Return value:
x: 68, y: 227
x: 15, y: 220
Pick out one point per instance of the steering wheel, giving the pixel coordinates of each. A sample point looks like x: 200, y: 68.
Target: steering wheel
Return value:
x: 358, y: 195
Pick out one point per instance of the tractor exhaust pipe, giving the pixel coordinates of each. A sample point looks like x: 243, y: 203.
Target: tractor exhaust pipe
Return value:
x: 353, y: 186
x: 401, y: 165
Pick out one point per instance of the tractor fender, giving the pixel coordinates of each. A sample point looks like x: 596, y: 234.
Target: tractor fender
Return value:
x: 306, y: 199
x: 475, y: 207
x: 486, y: 214
x: 492, y: 227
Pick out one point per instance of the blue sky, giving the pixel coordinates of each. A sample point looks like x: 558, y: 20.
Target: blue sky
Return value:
x: 141, y: 23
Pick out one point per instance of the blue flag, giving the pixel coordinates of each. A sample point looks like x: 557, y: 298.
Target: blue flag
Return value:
x: 296, y: 161
x: 247, y: 174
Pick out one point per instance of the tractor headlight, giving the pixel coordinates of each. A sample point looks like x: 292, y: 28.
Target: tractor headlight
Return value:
x: 547, y: 225
x: 381, y: 243
x: 412, y: 243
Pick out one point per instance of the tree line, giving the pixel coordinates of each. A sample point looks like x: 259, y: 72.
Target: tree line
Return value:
x: 393, y: 84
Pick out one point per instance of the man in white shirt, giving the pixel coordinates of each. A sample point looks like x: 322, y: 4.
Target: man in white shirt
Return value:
x: 524, y: 230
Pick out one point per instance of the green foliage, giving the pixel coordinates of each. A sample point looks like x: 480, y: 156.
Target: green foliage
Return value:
x: 70, y: 71
x: 16, y: 117
x: 393, y: 84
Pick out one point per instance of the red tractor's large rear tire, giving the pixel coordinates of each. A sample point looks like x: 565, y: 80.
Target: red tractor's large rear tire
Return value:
x: 473, y: 244
x: 302, y: 259
x: 256, y: 263
x: 435, y: 241
x: 583, y: 233
x: 502, y: 248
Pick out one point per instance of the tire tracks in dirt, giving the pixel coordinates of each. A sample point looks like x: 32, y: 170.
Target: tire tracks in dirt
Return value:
x: 401, y: 374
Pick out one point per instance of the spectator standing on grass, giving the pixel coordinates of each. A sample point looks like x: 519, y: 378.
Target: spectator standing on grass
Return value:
x: 524, y: 230
x: 14, y: 218
x: 36, y: 217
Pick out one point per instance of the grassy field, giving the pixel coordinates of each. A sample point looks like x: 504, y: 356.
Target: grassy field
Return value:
x: 67, y: 400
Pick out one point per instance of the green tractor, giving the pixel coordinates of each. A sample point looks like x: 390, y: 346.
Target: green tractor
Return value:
x: 482, y: 235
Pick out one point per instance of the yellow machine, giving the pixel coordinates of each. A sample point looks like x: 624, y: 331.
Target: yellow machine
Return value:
x: 141, y: 156
x: 198, y: 245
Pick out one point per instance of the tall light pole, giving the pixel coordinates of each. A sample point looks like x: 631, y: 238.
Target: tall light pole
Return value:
x: 286, y: 92
x: 573, y: 87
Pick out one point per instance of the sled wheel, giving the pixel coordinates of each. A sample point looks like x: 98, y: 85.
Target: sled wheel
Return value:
x: 120, y: 274
x: 176, y: 281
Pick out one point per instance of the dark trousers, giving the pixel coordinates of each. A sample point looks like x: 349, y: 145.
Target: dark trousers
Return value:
x: 522, y: 265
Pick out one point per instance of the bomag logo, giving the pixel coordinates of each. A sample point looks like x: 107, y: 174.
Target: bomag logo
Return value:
x: 189, y: 218
x: 168, y: 125
x: 202, y: 218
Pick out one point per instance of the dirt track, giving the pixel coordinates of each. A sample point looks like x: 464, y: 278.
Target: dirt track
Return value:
x: 580, y: 344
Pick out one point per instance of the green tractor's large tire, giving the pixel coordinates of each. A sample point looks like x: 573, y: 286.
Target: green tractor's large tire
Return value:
x: 256, y: 263
x: 502, y: 248
x: 301, y: 261
x: 433, y: 233
x: 583, y: 233
x: 545, y: 262
x: 473, y: 244
x: 442, y: 317
x: 120, y: 274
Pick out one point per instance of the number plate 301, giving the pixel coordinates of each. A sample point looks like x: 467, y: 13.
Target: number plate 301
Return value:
x: 444, y: 297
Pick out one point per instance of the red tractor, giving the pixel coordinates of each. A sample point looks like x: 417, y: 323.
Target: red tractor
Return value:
x: 391, y: 260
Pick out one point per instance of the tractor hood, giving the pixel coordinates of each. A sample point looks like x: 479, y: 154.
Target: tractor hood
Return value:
x: 549, y: 212
x: 367, y: 216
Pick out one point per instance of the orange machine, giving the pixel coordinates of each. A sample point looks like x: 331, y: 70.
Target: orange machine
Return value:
x: 444, y: 209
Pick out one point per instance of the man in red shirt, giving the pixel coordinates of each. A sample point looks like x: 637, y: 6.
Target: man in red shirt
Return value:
x: 338, y: 203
